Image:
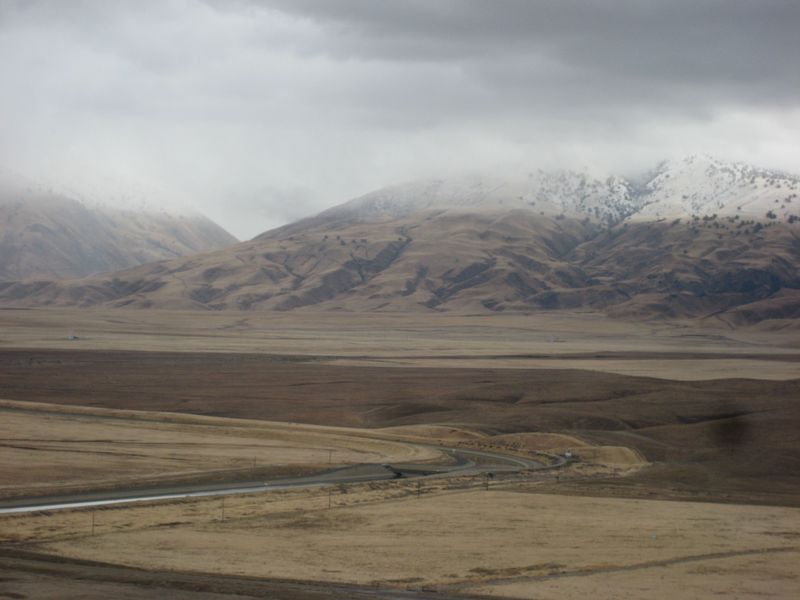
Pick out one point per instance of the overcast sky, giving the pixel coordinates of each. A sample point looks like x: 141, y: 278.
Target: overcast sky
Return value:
x: 260, y: 112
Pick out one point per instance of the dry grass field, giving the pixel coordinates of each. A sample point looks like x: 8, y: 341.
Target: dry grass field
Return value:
x: 48, y: 449
x: 557, y: 339
x: 726, y: 440
x: 506, y: 543
x: 689, y: 483
x: 31, y: 575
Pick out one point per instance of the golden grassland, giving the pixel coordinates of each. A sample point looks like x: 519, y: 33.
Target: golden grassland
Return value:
x: 600, y: 529
x: 521, y: 538
x: 49, y: 449
x: 669, y: 349
x: 506, y: 542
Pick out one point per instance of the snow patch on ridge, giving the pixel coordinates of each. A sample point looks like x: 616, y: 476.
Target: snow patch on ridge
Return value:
x: 691, y: 188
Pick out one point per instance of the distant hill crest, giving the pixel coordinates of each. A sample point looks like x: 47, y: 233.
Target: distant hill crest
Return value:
x: 697, y: 238
x: 45, y: 234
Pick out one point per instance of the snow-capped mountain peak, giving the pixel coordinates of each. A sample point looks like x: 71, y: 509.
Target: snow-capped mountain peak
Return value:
x: 550, y: 193
x: 702, y: 186
x: 691, y: 188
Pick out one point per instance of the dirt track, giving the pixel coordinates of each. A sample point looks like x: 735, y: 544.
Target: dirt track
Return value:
x: 35, y: 575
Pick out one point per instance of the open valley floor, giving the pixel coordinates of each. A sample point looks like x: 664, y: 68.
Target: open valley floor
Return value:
x: 681, y: 480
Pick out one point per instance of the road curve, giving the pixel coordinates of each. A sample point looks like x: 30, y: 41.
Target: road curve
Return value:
x: 467, y: 462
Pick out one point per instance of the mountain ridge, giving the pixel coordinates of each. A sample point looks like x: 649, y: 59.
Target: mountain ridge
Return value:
x: 607, y: 198
x: 45, y: 234
x: 581, y: 245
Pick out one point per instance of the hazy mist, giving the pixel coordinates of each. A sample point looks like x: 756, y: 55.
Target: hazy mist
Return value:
x: 257, y: 113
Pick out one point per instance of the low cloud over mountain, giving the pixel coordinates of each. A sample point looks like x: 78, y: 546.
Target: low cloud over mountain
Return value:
x: 46, y: 234
x: 694, y: 238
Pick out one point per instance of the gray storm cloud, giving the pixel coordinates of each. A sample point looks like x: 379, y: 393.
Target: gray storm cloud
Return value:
x: 259, y: 112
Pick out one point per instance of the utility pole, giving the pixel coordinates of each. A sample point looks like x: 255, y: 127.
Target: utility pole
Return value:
x: 330, y: 498
x: 419, y: 488
x: 92, y: 522
x: 330, y: 456
x: 223, y: 509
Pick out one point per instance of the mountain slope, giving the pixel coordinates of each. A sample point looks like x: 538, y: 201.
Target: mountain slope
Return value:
x: 563, y: 193
x: 701, y: 186
x: 555, y: 241
x: 46, y: 235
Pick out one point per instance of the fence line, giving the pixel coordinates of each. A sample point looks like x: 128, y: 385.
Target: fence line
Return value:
x: 86, y: 521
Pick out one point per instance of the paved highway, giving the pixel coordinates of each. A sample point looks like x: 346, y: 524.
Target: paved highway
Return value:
x: 466, y: 462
